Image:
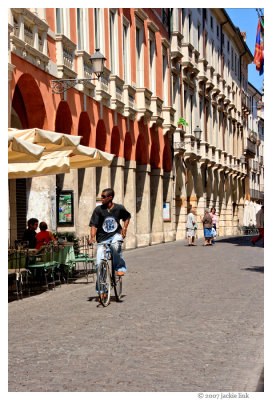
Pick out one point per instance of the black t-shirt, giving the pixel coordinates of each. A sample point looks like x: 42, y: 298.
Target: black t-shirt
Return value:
x: 30, y: 236
x: 107, y: 221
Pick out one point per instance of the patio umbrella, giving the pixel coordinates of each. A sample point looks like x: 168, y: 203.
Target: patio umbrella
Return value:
x: 21, y: 151
x: 59, y: 162
x: 52, y: 141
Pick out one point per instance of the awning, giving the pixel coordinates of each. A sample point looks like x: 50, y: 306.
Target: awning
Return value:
x: 61, y: 153
x: 57, y: 162
x: 21, y: 151
x: 52, y: 141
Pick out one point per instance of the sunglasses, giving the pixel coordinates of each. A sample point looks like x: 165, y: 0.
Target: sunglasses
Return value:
x: 104, y: 196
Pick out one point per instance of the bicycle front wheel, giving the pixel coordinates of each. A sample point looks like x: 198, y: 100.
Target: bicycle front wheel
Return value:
x: 117, y: 284
x: 104, y: 283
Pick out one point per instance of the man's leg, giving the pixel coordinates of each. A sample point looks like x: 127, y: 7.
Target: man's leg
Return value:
x: 257, y: 238
x: 117, y: 258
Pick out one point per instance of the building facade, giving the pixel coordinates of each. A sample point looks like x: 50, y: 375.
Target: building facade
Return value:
x: 161, y: 64
x: 255, y: 187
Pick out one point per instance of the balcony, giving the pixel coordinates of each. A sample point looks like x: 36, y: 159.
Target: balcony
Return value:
x: 29, y: 37
x: 203, y: 73
x: 143, y: 104
x: 176, y: 45
x: 102, y: 91
x: 253, y: 136
x: 250, y: 148
x: 168, y: 114
x: 129, y: 100
x: 65, y: 52
x: 261, y: 160
x: 246, y: 105
x: 117, y: 93
x: 156, y: 108
x: 188, y: 56
x: 84, y: 68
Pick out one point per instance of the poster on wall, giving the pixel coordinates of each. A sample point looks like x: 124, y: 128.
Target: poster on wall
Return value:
x: 166, y: 212
x: 65, y: 208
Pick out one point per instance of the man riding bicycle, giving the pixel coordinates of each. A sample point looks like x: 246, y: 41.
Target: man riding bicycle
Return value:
x: 105, y: 227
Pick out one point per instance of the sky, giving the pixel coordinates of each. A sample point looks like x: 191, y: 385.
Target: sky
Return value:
x: 247, y: 20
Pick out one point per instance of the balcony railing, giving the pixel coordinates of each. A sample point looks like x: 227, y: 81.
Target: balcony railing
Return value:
x: 250, y: 148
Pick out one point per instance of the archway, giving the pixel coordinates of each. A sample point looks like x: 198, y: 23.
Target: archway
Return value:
x: 84, y: 129
x: 28, y: 104
x: 115, y: 141
x: 63, y: 122
x: 101, y: 136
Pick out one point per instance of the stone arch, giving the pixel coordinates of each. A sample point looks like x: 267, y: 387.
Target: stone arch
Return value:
x: 155, y: 155
x: 28, y: 104
x: 127, y: 147
x: 167, y: 163
x: 84, y: 129
x: 141, y: 151
x: 101, y: 135
x: 63, y: 122
x: 115, y: 141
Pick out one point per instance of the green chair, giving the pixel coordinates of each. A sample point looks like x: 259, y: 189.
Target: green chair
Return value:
x: 83, y: 262
x: 42, y: 265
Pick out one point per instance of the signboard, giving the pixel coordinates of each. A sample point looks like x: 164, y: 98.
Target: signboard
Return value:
x: 65, y: 208
x: 166, y: 212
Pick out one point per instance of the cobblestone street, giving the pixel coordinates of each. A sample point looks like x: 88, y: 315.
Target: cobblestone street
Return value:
x: 191, y: 319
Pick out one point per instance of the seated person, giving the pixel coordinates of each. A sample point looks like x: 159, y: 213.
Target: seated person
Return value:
x: 30, y: 233
x: 44, y: 236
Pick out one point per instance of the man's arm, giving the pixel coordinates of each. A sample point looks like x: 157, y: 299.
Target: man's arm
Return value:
x: 92, y: 233
x: 124, y: 230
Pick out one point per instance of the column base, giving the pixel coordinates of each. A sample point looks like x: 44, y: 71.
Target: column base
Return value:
x: 143, y: 239
x: 157, y: 237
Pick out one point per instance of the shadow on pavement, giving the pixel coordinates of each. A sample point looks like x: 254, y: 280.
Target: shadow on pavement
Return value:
x: 240, y: 240
x: 254, y: 269
x: 260, y: 386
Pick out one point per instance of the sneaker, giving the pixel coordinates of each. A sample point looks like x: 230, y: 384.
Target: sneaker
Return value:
x: 120, y: 273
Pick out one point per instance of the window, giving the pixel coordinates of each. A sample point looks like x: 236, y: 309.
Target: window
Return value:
x: 112, y: 43
x: 232, y: 59
x: 198, y: 38
x: 189, y: 28
x: 97, y: 28
x: 183, y: 18
x: 126, y: 52
x: 59, y: 20
x: 139, y: 55
x: 223, y: 39
x: 82, y: 33
x: 152, y: 69
x: 211, y: 23
x: 228, y: 46
x: 235, y: 65
x: 164, y: 75
x: 217, y: 31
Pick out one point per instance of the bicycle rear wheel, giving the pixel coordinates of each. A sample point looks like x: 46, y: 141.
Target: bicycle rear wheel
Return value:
x: 104, y: 283
x: 117, y: 284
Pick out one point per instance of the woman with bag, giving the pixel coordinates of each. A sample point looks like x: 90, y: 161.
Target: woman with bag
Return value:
x: 207, y: 225
x: 190, y: 228
x: 212, y: 214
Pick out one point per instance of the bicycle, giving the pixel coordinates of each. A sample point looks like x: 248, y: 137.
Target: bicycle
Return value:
x: 107, y: 277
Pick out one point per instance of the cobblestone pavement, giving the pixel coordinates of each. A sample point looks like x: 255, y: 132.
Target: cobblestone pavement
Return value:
x: 191, y: 319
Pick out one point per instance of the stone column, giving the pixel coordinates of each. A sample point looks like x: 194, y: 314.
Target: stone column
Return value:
x: 169, y: 227
x: 180, y: 199
x: 86, y: 199
x: 117, y: 179
x: 143, y: 220
x: 130, y: 202
x: 156, y: 205
x: 41, y: 200
x: 103, y: 179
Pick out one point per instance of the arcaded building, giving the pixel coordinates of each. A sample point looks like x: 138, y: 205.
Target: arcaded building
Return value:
x: 161, y: 65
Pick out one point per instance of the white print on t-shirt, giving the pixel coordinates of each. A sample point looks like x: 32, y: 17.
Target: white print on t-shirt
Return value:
x: 109, y: 225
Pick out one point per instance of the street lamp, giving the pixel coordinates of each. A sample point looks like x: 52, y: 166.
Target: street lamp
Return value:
x: 62, y: 85
x: 197, y: 132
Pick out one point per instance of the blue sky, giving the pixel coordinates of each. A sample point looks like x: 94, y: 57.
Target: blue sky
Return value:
x: 247, y: 20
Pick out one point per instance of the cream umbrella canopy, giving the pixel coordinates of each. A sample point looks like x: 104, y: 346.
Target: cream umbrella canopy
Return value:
x: 21, y: 151
x: 61, y: 152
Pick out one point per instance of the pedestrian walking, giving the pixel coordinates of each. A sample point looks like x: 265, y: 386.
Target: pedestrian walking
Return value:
x: 190, y: 227
x: 212, y: 214
x: 207, y: 226
x: 260, y: 226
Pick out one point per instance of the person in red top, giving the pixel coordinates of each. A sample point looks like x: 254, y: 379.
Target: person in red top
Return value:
x: 44, y: 236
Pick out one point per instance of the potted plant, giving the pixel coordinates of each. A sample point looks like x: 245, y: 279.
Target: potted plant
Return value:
x: 182, y: 122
